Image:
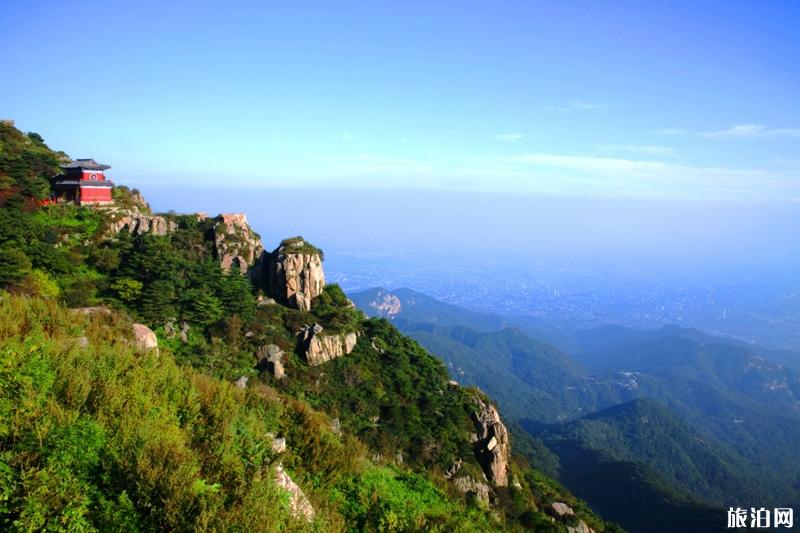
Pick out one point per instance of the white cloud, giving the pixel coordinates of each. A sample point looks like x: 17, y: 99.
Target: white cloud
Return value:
x: 509, y: 137
x: 646, y: 149
x: 660, y: 178
x: 751, y: 131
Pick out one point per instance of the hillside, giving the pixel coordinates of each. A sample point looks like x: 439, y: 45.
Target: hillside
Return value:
x: 645, y: 431
x: 167, y: 372
x: 741, y: 406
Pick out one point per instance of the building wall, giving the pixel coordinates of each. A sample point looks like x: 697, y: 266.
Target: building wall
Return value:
x: 87, y: 175
x: 95, y: 195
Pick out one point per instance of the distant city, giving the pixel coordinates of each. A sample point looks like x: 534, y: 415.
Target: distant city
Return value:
x: 575, y: 298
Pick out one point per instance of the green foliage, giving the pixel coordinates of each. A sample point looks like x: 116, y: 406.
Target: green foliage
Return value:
x: 389, y: 499
x: 334, y: 311
x: 95, y: 435
x: 26, y: 165
x: 298, y: 245
x: 14, y: 265
x: 101, y: 436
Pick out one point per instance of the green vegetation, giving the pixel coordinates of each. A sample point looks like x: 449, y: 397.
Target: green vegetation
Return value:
x: 27, y: 166
x: 298, y: 245
x: 98, y: 435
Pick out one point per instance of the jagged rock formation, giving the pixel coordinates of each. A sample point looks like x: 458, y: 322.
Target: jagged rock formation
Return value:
x: 467, y: 485
x: 492, y: 446
x: 299, y: 505
x: 270, y: 359
x: 140, y: 223
x: 144, y: 338
x: 319, y: 348
x: 562, y: 511
x: 171, y: 329
x: 295, y: 275
x: 236, y: 243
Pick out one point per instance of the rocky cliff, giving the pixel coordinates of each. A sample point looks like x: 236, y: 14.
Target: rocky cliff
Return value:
x: 236, y: 244
x: 492, y: 446
x: 136, y: 222
x: 294, y: 273
x: 319, y: 348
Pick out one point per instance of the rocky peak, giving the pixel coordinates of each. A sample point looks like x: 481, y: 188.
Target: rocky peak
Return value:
x: 236, y: 243
x: 492, y: 446
x: 295, y: 275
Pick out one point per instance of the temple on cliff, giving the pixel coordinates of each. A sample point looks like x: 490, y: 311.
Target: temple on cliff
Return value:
x: 84, y: 183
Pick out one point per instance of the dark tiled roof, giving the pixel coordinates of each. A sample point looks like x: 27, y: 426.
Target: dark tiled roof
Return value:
x: 88, y: 164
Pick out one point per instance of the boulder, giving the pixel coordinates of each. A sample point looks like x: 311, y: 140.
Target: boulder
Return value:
x: 242, y: 382
x: 468, y: 486
x: 294, y: 273
x: 139, y: 223
x: 492, y: 444
x: 299, y: 505
x: 144, y: 338
x: 320, y: 348
x: 278, y: 445
x: 580, y: 528
x: 270, y: 359
x: 561, y: 509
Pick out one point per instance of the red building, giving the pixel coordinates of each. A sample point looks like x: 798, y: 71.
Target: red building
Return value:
x: 85, y: 183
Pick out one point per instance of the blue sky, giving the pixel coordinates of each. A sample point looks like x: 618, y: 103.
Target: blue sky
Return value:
x: 695, y: 100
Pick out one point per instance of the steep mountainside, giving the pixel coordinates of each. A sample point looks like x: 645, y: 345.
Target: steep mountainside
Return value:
x: 645, y: 431
x: 165, y: 372
x: 742, y: 406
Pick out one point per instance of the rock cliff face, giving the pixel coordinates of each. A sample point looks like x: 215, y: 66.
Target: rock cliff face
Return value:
x: 492, y: 446
x: 236, y: 243
x: 320, y: 348
x: 140, y: 223
x: 294, y: 273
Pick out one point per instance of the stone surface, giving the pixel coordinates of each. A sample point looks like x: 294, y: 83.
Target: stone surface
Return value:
x: 295, y: 278
x: 470, y: 487
x: 270, y: 359
x: 299, y: 505
x: 237, y: 244
x: 492, y: 447
x: 580, y: 528
x: 242, y: 382
x: 144, y: 338
x: 278, y: 445
x: 319, y: 348
x: 139, y: 223
x: 561, y: 509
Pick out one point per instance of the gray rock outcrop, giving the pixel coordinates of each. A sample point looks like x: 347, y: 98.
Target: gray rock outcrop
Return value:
x: 320, y: 348
x: 139, y: 223
x: 270, y: 359
x: 237, y: 244
x: 299, y: 505
x: 492, y: 447
x: 294, y: 273
x: 144, y: 338
x: 466, y: 484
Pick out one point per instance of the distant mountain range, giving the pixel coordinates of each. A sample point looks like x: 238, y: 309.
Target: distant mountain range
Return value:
x: 691, y: 419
